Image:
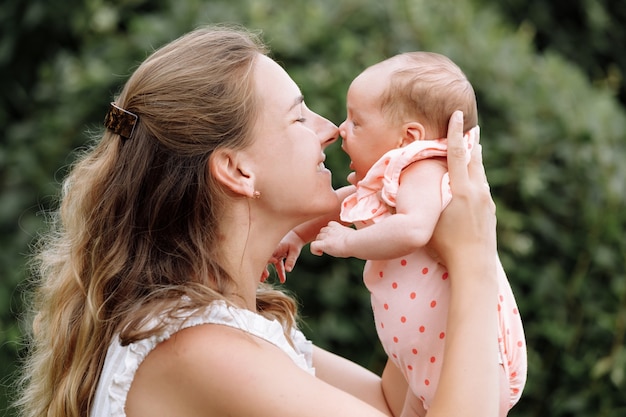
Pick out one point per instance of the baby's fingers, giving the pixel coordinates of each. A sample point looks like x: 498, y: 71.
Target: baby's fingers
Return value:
x: 290, y: 259
x: 265, y: 274
x: 316, y: 248
x: 280, y: 271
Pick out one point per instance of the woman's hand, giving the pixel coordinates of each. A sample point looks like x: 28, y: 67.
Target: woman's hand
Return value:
x: 465, y: 239
x: 467, y: 227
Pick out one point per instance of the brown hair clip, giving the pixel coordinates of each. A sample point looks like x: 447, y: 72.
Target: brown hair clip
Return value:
x: 120, y: 121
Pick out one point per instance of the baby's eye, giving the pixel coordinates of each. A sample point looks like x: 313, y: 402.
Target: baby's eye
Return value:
x: 301, y: 120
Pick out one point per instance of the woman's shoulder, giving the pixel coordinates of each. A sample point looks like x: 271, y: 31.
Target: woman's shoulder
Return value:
x: 219, y: 370
x: 208, y: 367
x: 216, y: 337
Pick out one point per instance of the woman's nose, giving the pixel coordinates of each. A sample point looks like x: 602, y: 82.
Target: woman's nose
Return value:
x: 342, y: 129
x: 328, y: 132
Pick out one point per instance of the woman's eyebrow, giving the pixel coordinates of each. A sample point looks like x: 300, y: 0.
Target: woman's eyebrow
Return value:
x: 299, y: 100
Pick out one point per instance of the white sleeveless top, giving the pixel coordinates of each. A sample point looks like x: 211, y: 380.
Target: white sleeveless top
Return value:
x: 121, y: 362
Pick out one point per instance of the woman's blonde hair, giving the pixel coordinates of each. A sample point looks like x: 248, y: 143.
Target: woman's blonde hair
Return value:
x: 431, y: 87
x: 136, y: 232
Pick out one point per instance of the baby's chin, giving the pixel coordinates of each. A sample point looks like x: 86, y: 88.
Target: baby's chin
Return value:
x: 352, y: 178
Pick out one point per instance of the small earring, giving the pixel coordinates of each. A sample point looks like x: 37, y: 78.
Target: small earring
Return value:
x: 256, y: 194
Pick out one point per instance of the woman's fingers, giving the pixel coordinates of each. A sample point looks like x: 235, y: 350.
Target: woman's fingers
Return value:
x: 467, y: 225
x: 457, y: 163
x: 476, y: 167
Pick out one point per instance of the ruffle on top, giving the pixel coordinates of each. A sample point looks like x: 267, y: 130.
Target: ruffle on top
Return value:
x: 377, y: 192
x: 122, y: 362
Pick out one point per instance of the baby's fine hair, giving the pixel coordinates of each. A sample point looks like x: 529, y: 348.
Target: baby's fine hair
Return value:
x: 428, y: 87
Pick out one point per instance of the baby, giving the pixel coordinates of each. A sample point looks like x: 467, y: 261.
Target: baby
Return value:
x: 397, y: 116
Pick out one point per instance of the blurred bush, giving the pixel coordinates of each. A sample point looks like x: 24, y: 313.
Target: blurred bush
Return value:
x: 554, y: 146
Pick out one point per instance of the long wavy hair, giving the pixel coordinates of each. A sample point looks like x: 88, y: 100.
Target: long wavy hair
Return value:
x: 137, y: 226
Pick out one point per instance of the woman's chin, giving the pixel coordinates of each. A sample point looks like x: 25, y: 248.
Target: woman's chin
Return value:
x: 320, y: 206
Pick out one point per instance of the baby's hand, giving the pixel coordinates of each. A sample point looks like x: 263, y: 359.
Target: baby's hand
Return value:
x: 285, y: 255
x: 332, y: 239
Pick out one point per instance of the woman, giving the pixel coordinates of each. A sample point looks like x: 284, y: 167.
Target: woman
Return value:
x: 150, y: 301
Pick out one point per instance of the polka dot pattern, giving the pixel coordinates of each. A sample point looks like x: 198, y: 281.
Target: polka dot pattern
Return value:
x: 410, y: 295
x: 410, y: 309
x: 410, y: 299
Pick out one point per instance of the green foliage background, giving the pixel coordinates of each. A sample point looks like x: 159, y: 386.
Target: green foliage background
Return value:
x: 548, y: 77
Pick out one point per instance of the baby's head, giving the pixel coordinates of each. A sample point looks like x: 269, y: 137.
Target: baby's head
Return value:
x: 427, y: 87
x: 408, y: 97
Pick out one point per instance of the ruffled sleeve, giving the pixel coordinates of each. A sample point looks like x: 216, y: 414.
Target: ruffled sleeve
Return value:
x: 377, y: 192
x: 257, y: 325
x: 122, y: 362
x: 121, y: 382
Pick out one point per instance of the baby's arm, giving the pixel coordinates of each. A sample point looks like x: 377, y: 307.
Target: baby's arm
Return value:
x: 290, y: 246
x: 394, y: 387
x: 413, y: 406
x: 400, y: 399
x: 418, y: 206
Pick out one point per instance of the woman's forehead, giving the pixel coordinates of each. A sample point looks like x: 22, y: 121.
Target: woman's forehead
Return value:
x: 275, y: 86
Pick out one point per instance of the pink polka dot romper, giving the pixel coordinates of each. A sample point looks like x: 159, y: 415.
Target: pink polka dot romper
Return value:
x: 410, y: 295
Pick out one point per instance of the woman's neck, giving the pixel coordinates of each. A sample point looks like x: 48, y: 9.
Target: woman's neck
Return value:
x: 248, y: 242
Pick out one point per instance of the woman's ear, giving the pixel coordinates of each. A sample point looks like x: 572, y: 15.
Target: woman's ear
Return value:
x: 411, y: 132
x: 226, y: 166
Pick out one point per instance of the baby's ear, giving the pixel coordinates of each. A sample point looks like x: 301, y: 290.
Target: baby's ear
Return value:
x: 411, y: 132
x: 228, y: 168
